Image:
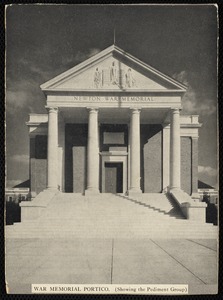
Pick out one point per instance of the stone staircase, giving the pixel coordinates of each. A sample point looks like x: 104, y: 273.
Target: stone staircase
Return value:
x: 111, y: 216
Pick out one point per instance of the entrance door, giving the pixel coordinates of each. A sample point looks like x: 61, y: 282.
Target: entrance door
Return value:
x: 113, y: 178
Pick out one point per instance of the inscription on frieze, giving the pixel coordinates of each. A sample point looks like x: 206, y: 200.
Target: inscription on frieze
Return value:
x: 112, y: 99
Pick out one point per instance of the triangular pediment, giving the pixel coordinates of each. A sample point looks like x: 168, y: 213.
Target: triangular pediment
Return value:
x: 112, y: 69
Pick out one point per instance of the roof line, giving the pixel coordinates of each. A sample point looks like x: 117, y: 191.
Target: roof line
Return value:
x: 151, y: 68
x: 114, y: 91
x: 78, y: 66
x: 102, y: 54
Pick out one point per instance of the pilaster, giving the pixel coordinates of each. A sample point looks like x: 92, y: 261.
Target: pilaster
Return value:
x: 194, y: 167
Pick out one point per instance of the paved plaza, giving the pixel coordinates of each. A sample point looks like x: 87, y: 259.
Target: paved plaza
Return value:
x: 111, y: 261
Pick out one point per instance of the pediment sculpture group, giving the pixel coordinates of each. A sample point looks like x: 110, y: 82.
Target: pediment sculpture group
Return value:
x: 113, y: 76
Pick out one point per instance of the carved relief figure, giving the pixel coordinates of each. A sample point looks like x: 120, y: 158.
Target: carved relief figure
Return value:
x: 129, y: 78
x: 113, y: 74
x: 97, y: 78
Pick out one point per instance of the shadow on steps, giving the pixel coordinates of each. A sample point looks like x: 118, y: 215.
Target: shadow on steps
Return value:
x: 174, y: 212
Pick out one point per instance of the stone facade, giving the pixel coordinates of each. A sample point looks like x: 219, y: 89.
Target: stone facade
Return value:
x: 113, y: 125
x: 75, y: 168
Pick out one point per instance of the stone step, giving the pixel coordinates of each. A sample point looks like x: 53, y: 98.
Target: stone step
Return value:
x: 102, y: 234
x: 110, y: 229
x: 108, y: 215
x: 106, y: 202
x: 112, y: 235
x: 99, y: 233
x: 82, y: 228
x: 165, y: 222
x: 145, y: 218
x: 90, y: 211
x: 107, y: 226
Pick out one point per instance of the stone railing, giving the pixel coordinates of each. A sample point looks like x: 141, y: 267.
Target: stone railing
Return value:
x: 32, y: 210
x: 191, y: 209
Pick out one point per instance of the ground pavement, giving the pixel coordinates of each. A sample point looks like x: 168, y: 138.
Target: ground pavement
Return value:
x: 111, y: 261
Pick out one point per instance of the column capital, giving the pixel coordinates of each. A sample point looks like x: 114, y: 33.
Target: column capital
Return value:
x: 52, y: 109
x: 92, y: 109
x: 135, y: 110
x: 175, y: 110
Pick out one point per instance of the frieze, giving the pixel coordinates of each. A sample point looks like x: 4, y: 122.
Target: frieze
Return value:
x: 112, y: 99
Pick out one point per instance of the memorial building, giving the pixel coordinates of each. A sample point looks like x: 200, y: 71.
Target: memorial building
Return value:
x: 114, y: 125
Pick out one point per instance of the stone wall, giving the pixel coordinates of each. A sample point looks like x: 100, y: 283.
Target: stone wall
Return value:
x: 75, y: 165
x: 76, y: 159
x: 186, y: 169
x: 113, y: 135
x: 38, y: 164
x: 151, y: 158
x: 79, y: 169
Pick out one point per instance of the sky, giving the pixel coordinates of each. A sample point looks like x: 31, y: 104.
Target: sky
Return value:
x: 43, y: 41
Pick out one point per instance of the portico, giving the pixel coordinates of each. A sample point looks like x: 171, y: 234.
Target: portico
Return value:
x: 128, y: 156
x: 114, y: 126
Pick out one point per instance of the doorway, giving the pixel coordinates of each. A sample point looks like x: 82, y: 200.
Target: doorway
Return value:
x: 113, y: 177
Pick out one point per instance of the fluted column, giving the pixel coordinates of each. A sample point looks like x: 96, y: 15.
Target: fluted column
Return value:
x: 135, y: 152
x: 175, y: 149
x: 52, y: 149
x: 93, y: 152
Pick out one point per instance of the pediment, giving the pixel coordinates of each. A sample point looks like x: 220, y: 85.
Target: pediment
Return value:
x: 112, y: 69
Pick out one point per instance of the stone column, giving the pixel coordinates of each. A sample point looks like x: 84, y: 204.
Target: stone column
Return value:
x: 194, y: 165
x: 175, y: 149
x: 135, y: 152
x: 93, y: 153
x: 166, y: 157
x: 52, y: 159
x: 61, y: 153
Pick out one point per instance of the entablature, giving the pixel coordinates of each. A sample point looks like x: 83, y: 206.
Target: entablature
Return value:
x: 144, y: 100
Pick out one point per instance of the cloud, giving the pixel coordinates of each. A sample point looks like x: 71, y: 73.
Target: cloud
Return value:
x: 20, y: 158
x: 16, y: 99
x: 19, y: 100
x: 195, y: 101
x: 24, y: 92
x: 79, y: 56
x: 32, y: 68
x: 207, y: 170
x: 24, y: 96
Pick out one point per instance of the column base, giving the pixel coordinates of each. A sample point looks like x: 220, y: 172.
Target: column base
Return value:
x: 91, y: 191
x: 174, y: 189
x: 165, y: 190
x: 134, y: 192
x: 53, y: 189
x: 196, y: 197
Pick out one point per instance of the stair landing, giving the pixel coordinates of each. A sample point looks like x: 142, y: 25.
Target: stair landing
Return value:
x: 111, y: 216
